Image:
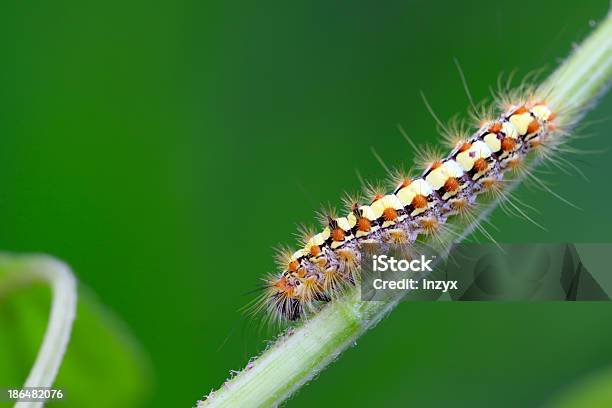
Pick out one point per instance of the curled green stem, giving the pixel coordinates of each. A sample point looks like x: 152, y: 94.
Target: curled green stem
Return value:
x: 20, y: 270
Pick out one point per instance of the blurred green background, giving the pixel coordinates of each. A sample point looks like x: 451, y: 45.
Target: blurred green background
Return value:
x: 163, y: 148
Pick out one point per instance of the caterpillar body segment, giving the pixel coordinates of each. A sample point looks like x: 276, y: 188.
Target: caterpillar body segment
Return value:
x: 329, y: 260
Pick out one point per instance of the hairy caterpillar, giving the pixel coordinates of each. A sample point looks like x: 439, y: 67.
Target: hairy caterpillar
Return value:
x: 328, y: 261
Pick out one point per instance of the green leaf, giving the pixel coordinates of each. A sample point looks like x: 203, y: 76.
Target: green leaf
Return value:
x: 594, y: 392
x: 103, y: 365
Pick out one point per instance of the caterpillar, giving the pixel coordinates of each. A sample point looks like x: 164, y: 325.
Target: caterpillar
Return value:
x: 328, y: 261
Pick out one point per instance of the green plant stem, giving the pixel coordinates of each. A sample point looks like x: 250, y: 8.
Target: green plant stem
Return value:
x: 21, y: 270
x: 301, y: 353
